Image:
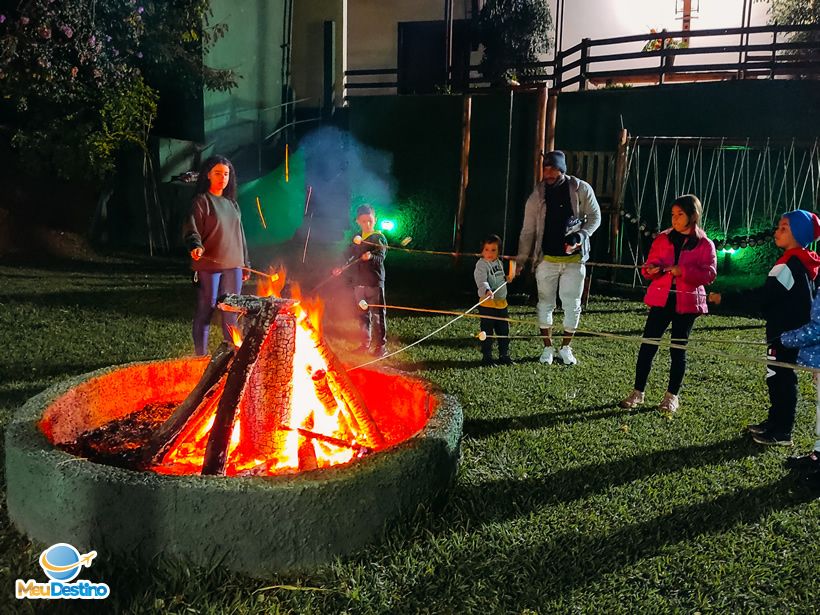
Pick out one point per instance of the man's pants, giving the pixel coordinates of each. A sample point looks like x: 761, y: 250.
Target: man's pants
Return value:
x: 565, y: 280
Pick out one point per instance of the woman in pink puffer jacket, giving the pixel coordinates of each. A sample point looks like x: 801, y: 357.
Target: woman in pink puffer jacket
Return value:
x: 681, y: 262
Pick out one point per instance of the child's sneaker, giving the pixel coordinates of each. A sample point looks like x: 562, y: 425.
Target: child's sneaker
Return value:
x: 634, y: 399
x: 758, y: 428
x: 669, y: 403
x: 772, y: 439
x: 379, y: 352
x: 565, y: 354
x: 547, y: 355
x: 804, y: 463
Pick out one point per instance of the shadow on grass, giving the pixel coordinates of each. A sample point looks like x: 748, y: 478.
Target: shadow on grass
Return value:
x: 482, y: 428
x: 516, y: 498
x: 566, y: 558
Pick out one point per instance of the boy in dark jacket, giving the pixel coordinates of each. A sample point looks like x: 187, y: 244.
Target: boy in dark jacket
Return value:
x: 787, y: 298
x: 367, y: 253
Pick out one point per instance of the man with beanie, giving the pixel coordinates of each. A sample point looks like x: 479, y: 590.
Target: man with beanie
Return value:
x: 559, y: 217
x: 786, y: 303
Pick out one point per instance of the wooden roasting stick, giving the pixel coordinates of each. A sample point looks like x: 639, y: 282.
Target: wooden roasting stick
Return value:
x: 165, y: 436
x: 338, y: 377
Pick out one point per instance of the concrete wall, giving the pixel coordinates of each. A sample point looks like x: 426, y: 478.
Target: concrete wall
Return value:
x: 308, y: 48
x: 366, y: 38
x: 253, y: 48
x: 373, y: 30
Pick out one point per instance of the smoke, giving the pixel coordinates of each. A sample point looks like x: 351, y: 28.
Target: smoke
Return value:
x: 344, y: 173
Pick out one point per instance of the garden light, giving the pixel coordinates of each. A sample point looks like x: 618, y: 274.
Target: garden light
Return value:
x: 388, y: 225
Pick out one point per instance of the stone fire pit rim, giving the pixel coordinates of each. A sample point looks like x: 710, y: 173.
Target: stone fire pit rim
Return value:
x: 24, y: 428
x: 259, y: 526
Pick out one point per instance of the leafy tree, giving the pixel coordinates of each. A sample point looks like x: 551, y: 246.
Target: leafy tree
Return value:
x: 513, y: 32
x: 78, y: 77
x: 798, y: 12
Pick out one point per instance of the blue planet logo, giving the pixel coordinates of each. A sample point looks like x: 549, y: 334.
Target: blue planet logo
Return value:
x: 62, y: 562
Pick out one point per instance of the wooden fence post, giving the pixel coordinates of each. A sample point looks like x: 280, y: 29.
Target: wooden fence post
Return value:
x: 617, y: 194
x: 540, y: 136
x: 584, y: 63
x: 552, y: 116
x: 662, y: 68
x: 465, y: 172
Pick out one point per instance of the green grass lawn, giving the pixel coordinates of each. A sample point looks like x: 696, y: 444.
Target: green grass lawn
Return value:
x: 563, y: 501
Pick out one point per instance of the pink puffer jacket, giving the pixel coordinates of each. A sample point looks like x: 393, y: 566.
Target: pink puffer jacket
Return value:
x: 698, y: 266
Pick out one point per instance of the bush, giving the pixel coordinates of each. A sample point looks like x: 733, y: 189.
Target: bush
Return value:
x: 74, y: 79
x: 513, y: 32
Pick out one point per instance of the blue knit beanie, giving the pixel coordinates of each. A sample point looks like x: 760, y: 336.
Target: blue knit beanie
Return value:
x: 556, y: 159
x: 805, y: 226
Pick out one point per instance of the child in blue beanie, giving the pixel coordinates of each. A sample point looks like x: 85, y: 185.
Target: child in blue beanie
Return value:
x: 787, y: 301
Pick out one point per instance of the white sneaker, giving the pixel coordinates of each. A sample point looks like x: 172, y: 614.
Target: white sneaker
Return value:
x: 565, y: 354
x: 547, y: 355
x: 669, y: 403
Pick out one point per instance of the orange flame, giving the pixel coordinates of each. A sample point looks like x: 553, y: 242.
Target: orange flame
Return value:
x: 272, y: 284
x: 236, y: 336
x: 317, y: 424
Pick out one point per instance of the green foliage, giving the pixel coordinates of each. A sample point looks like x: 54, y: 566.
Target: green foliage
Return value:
x: 513, y: 32
x: 76, y: 76
x: 656, y: 44
x: 797, y: 12
x: 564, y: 503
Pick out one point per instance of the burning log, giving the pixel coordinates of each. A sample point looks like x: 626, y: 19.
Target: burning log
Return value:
x: 269, y: 390
x: 360, y: 449
x: 240, y: 374
x: 251, y: 396
x: 307, y: 454
x: 338, y: 379
x: 326, y: 397
x: 162, y: 440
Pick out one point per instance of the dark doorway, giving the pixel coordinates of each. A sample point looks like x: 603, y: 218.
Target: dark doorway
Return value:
x: 421, y: 62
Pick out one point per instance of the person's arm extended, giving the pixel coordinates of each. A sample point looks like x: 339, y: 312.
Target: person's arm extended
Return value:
x: 481, y: 275
x: 527, y: 237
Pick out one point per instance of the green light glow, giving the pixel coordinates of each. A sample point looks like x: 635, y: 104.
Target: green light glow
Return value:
x: 388, y: 225
x: 729, y: 251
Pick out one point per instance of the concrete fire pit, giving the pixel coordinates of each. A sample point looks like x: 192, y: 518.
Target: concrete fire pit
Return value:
x: 254, y: 525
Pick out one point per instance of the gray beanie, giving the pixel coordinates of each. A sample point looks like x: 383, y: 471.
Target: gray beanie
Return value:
x: 556, y: 159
